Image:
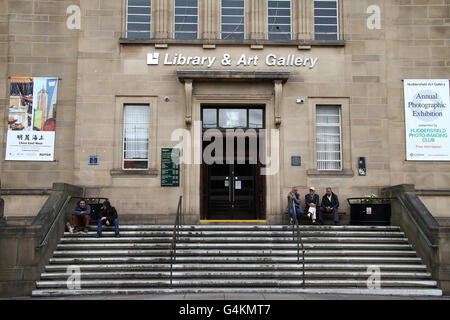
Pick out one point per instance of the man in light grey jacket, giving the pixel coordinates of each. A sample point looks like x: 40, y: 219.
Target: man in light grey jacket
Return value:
x: 294, y: 204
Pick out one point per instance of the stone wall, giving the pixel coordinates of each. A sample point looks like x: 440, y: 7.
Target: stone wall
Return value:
x: 36, y: 42
x: 99, y: 75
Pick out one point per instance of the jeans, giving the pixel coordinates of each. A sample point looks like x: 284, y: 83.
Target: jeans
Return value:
x: 100, y: 222
x: 298, y: 210
x: 335, y: 214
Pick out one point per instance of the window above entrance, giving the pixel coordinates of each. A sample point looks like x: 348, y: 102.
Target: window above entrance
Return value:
x: 236, y: 118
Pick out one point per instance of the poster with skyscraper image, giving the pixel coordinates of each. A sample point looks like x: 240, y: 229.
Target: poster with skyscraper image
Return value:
x: 32, y: 119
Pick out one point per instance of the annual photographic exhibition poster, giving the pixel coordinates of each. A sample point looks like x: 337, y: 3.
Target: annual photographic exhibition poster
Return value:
x: 427, y: 119
x: 32, y: 119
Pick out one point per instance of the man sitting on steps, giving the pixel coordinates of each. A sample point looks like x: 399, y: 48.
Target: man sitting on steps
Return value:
x: 81, y: 216
x: 294, y: 204
x: 108, y: 216
x: 330, y: 204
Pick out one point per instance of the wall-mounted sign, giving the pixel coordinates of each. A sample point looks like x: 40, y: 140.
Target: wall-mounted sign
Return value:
x: 227, y: 60
x: 296, y: 161
x: 362, y: 166
x: 93, y: 161
x: 427, y: 119
x: 170, y: 167
x: 32, y: 119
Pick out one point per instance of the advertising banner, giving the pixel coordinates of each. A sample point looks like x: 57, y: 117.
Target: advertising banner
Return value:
x: 427, y: 119
x: 32, y: 119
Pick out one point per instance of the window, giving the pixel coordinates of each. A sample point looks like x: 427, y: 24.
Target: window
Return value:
x: 279, y: 19
x: 136, y: 136
x: 225, y: 118
x: 233, y: 19
x: 326, y: 19
x: 328, y: 138
x: 186, y: 19
x: 139, y: 19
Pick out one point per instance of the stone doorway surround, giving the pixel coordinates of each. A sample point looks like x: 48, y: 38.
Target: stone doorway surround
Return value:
x: 194, y: 99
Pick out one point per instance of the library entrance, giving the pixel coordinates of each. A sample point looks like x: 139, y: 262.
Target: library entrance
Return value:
x: 231, y: 182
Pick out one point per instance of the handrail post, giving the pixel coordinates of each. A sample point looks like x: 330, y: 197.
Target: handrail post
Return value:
x: 173, y: 247
x: 299, y: 242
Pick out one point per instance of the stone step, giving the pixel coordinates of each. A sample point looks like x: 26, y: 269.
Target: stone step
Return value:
x: 236, y: 274
x: 236, y: 267
x: 92, y: 239
x: 266, y: 234
x: 201, y: 283
x: 238, y: 246
x: 215, y: 227
x: 243, y: 259
x: 229, y: 253
x: 417, y: 292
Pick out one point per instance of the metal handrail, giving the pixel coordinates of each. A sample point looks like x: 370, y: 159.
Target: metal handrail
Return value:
x: 299, y: 243
x: 55, y: 220
x: 424, y: 236
x: 173, y: 246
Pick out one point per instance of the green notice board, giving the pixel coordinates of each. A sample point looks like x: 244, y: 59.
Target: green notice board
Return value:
x: 170, y: 167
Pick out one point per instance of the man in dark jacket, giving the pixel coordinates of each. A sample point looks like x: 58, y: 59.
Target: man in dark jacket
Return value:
x: 81, y: 216
x: 312, y: 204
x: 108, y: 216
x: 330, y: 204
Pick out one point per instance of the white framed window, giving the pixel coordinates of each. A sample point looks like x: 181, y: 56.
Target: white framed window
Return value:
x: 186, y: 19
x: 329, y: 138
x: 326, y: 25
x: 139, y: 19
x: 232, y: 19
x: 279, y: 15
x: 136, y: 129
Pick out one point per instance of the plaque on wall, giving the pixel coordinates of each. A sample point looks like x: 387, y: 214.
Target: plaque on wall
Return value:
x: 170, y: 167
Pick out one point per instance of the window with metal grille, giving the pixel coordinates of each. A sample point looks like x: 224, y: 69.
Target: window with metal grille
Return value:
x: 186, y: 19
x: 328, y: 138
x: 326, y: 25
x: 233, y: 19
x: 136, y: 126
x: 279, y: 16
x: 139, y: 19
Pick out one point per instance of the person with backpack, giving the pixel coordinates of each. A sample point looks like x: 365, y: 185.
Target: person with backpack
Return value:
x: 109, y: 217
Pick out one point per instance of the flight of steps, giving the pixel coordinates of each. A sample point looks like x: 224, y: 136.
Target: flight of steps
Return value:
x: 237, y: 259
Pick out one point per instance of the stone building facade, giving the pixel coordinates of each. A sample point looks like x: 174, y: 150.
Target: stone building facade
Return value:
x: 102, y: 69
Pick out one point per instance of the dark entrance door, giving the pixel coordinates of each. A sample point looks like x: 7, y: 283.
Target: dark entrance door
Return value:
x: 233, y: 189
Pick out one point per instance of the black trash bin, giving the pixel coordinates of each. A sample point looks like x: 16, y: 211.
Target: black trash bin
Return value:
x: 370, y: 211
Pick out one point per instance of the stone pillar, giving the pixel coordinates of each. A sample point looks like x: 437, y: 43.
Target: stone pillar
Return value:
x: 209, y: 19
x: 278, y: 90
x: 303, y: 20
x: 188, y: 86
x: 256, y: 19
x: 162, y: 19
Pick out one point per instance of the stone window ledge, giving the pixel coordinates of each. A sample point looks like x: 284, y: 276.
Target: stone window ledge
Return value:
x: 121, y: 172
x: 210, y: 43
x: 343, y: 173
